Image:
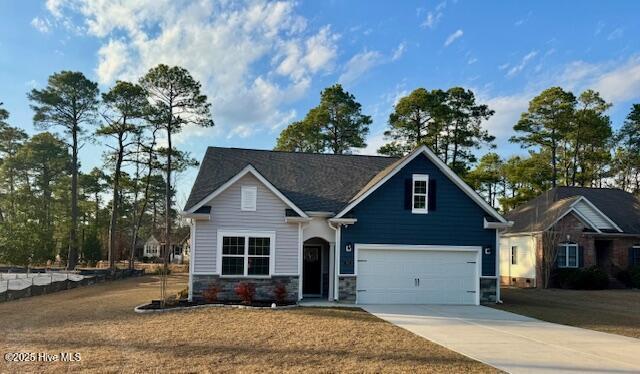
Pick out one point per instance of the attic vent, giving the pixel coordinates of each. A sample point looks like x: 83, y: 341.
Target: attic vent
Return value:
x: 248, y: 197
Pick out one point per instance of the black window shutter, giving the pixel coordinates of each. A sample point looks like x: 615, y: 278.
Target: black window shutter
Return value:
x: 580, y: 256
x: 408, y: 194
x: 432, y: 195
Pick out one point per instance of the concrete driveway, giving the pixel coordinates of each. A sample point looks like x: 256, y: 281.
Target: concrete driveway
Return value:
x: 515, y: 343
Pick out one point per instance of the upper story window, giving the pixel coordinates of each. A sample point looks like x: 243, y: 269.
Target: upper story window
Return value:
x: 514, y: 255
x: 248, y: 198
x: 420, y: 193
x: 567, y: 255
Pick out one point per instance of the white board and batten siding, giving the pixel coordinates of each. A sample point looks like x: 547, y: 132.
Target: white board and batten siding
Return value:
x: 227, y: 215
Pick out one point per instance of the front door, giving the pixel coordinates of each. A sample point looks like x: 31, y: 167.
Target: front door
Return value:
x: 312, y: 271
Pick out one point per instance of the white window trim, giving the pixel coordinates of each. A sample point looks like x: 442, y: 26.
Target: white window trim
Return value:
x: 514, y: 255
x: 246, y: 234
x: 565, y: 247
x: 243, y: 202
x: 425, y: 178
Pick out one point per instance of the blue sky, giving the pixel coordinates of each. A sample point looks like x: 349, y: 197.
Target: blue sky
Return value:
x: 263, y: 64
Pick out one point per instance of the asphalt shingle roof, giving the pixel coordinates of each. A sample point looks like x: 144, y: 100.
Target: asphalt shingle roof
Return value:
x: 537, y: 214
x: 312, y: 181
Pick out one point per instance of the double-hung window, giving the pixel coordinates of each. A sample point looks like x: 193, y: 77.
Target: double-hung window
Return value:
x: 247, y: 255
x: 420, y: 191
x: 568, y: 255
x: 635, y: 256
x: 514, y: 255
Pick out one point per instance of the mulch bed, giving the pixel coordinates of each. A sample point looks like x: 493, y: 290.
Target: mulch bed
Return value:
x: 184, y: 303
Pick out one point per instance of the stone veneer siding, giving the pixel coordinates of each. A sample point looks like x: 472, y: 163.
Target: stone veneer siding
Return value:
x: 347, y: 289
x: 264, y: 286
x: 488, y: 290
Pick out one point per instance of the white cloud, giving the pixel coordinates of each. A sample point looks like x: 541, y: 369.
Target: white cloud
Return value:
x: 41, y: 24
x: 453, y: 37
x: 599, y: 28
x: 54, y: 6
x: 399, y: 51
x: 373, y: 143
x: 432, y: 20
x: 523, y: 63
x: 472, y: 61
x: 113, y: 60
x: 621, y: 83
x: 360, y: 64
x: 617, y: 82
x: 615, y: 34
x: 253, y: 58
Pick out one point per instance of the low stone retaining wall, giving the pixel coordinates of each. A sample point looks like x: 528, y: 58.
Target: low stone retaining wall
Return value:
x: 91, y: 276
x: 147, y: 267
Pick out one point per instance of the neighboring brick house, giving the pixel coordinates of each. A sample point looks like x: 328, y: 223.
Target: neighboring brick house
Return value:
x: 593, y: 226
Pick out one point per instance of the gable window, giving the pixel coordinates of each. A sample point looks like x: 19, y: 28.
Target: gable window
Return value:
x: 567, y: 255
x: 420, y: 192
x: 514, y: 255
x: 247, y: 255
x: 248, y: 198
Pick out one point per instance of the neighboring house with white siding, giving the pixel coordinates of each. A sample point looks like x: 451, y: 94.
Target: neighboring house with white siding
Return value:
x: 357, y: 229
x: 596, y: 227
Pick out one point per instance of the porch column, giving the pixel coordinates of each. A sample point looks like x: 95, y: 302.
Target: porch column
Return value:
x: 332, y: 248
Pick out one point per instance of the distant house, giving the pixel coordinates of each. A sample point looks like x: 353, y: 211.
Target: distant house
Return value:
x: 153, y: 248
x: 596, y: 227
x: 357, y: 229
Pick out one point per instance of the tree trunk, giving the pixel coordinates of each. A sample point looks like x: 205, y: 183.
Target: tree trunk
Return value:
x: 72, y: 259
x: 115, y: 203
x: 145, y: 198
x: 554, y: 162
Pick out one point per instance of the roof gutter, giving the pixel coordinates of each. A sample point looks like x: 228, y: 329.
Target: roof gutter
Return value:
x: 297, y: 219
x: 196, y: 216
x: 343, y: 221
x: 497, y: 225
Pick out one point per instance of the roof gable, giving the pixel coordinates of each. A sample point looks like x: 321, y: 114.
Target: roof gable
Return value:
x: 311, y: 181
x: 249, y: 169
x: 605, y: 209
x: 387, y: 173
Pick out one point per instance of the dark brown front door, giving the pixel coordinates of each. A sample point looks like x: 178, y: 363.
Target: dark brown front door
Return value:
x: 603, y: 254
x: 312, y: 271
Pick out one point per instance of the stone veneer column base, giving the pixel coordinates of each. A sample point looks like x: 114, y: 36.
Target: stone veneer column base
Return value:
x: 347, y: 289
x: 264, y: 286
x: 488, y: 289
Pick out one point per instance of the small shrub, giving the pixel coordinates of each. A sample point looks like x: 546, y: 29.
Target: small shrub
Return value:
x: 280, y: 292
x: 635, y: 276
x: 246, y: 292
x: 171, y: 301
x: 210, y: 294
x: 592, y: 278
x: 624, y: 276
x: 183, y: 294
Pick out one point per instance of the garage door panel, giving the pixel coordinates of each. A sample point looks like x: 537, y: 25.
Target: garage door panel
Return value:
x: 388, y: 276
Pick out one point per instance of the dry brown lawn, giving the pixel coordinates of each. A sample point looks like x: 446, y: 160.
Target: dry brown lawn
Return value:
x: 612, y: 311
x: 99, y: 322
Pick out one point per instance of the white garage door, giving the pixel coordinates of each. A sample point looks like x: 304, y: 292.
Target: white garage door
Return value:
x: 441, y: 276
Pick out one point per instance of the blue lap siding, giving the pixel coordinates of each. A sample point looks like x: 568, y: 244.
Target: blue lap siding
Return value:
x: 383, y: 219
